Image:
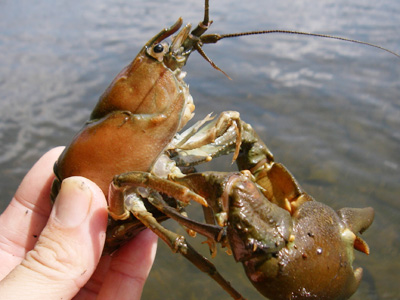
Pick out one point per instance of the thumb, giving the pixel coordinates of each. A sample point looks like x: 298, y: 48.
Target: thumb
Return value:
x: 68, y: 249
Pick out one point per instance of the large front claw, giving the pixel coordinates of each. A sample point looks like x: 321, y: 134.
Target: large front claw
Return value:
x: 318, y: 263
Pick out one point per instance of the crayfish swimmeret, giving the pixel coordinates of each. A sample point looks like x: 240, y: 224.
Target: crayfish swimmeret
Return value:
x: 291, y: 246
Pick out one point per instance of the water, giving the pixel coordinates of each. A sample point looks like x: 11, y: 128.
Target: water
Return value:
x: 328, y: 110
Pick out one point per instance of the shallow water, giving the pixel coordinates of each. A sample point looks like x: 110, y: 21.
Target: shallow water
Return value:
x: 328, y: 110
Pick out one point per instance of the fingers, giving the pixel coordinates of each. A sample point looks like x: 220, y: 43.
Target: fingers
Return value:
x: 123, y: 275
x: 27, y: 213
x: 67, y: 250
x: 129, y: 268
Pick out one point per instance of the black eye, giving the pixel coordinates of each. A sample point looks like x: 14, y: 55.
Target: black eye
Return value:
x: 158, y: 48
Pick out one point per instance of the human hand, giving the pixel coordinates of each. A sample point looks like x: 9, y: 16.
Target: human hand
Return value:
x: 55, y: 252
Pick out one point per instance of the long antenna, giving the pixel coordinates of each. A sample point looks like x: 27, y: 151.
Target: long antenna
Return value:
x: 213, y: 38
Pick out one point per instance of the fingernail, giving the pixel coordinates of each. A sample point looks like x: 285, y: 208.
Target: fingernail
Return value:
x: 73, y: 202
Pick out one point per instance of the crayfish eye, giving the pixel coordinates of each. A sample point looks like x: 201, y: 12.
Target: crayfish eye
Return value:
x: 158, y: 48
x: 158, y: 51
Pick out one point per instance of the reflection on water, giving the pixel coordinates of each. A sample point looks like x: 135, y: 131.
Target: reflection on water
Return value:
x: 329, y: 110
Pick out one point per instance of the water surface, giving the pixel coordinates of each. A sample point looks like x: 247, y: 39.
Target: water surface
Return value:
x: 328, y: 110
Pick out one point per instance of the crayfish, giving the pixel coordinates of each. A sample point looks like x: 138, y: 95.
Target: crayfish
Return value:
x: 291, y: 246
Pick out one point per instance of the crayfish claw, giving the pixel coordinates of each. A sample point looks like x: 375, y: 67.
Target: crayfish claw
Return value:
x: 200, y: 50
x: 212, y: 245
x: 361, y: 245
x: 238, y: 130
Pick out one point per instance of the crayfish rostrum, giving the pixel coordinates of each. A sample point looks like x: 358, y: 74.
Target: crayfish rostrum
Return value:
x: 291, y: 246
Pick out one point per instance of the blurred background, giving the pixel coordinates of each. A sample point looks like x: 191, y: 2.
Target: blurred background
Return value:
x: 328, y: 110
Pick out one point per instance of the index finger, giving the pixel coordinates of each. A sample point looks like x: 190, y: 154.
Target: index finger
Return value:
x: 27, y: 213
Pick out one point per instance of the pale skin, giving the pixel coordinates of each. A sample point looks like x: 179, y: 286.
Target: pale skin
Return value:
x: 55, y: 252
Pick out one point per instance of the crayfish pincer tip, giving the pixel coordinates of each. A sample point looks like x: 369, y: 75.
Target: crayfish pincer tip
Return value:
x: 200, y: 200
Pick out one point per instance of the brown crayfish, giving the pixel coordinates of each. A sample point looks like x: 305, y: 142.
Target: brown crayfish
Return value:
x: 291, y: 246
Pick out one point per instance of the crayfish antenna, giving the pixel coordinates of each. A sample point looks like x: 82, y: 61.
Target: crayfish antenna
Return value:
x: 205, y: 24
x: 213, y: 38
x: 195, y: 39
x: 204, y: 55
